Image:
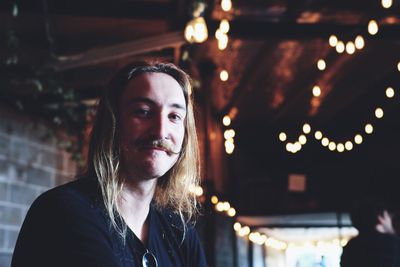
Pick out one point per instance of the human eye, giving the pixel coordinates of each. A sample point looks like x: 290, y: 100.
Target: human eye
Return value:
x: 176, y: 117
x: 141, y: 112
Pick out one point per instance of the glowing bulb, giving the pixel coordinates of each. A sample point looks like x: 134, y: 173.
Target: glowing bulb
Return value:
x: 219, y: 207
x: 289, y: 147
x: 333, y: 40
x: 321, y: 64
x: 340, y: 47
x: 218, y: 34
x: 386, y: 3
x: 237, y: 226
x: 318, y: 135
x: 226, y: 120
x: 229, y: 147
x: 348, y: 145
x: 316, y: 91
x: 369, y: 129
x: 373, y: 27
x: 358, y: 139
x: 214, y: 200
x: 224, y: 26
x: 196, y: 30
x: 198, y: 191
x: 226, y: 206
x: 244, y: 231
x: 231, y: 212
x: 226, y: 5
x: 224, y: 75
x: 379, y: 113
x: 306, y: 128
x: 282, y: 136
x: 332, y: 146
x: 223, y: 41
x: 350, y: 48
x: 359, y: 42
x: 189, y: 32
x: 340, y: 147
x: 398, y: 66
x: 228, y: 134
x: 296, y: 147
x: 325, y: 141
x: 389, y: 92
x: 302, y: 139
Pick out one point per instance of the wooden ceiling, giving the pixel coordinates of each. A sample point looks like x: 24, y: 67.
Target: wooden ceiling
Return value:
x: 271, y: 59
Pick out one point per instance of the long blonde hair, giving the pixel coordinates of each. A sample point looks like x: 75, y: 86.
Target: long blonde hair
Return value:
x: 104, y: 162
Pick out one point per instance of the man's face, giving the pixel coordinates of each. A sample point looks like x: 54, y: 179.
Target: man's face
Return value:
x: 152, y: 111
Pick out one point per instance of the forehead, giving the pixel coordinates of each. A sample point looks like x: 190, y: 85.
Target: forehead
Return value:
x: 159, y: 87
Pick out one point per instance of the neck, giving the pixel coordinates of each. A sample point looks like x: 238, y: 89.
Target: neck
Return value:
x: 134, y: 205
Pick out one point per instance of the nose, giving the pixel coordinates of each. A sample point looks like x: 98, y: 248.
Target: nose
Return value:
x: 159, y: 129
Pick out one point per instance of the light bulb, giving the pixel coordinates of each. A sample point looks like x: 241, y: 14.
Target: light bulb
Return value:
x: 282, y: 137
x: 373, y: 27
x: 321, y: 64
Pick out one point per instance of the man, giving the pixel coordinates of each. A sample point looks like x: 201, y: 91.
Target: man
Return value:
x: 376, y: 245
x: 133, y: 205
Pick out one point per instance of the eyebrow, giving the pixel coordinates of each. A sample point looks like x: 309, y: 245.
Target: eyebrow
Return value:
x: 151, y: 102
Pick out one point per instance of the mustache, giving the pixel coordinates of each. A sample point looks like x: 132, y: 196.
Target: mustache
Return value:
x: 158, y: 143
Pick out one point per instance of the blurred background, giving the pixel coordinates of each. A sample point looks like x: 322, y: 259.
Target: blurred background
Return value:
x: 297, y: 108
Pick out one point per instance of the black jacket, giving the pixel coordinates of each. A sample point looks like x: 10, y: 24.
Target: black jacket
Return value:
x: 68, y: 226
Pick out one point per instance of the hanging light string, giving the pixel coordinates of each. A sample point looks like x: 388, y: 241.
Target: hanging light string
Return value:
x: 327, y: 142
x: 347, y: 145
x: 244, y: 231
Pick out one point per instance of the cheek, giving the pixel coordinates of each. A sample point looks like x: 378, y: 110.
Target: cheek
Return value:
x: 180, y: 135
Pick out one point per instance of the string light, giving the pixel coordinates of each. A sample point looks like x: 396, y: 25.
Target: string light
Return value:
x: 302, y: 139
x: 231, y: 212
x: 389, y: 92
x: 226, y: 5
x: 348, y: 145
x: 224, y: 26
x: 325, y: 141
x: 340, y: 147
x: 386, y: 3
x: 332, y: 146
x: 237, y: 226
x: 214, y: 200
x: 373, y: 27
x: 306, y: 128
x: 358, y: 139
x: 340, y: 47
x: 321, y: 64
x: 333, y: 40
x: 369, y: 129
x: 228, y: 134
x: 318, y: 135
x: 223, y: 41
x: 350, y: 48
x: 359, y: 42
x: 224, y: 75
x: 196, y: 30
x: 379, y: 113
x: 398, y: 66
x: 226, y: 121
x: 316, y: 91
x: 282, y: 137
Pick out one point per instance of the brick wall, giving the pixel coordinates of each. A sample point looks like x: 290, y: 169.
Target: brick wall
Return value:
x: 30, y: 163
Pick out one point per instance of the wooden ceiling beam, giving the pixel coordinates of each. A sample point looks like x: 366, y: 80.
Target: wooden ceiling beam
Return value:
x: 138, y: 47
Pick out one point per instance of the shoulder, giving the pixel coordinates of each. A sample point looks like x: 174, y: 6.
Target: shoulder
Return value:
x: 68, y: 205
x: 79, y: 193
